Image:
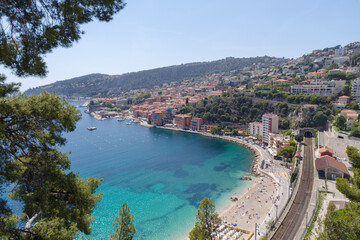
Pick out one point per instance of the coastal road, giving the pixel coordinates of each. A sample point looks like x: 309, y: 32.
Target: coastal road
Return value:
x: 290, y: 225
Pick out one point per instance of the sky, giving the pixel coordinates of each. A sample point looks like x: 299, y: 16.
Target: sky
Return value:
x: 149, y: 34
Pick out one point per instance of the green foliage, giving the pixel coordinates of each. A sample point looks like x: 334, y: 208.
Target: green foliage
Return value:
x: 287, y: 152
x: 186, y: 109
x: 231, y: 108
x: 354, y: 106
x: 264, y: 238
x: 355, y: 131
x: 141, y: 98
x: 101, y: 85
x: 287, y: 132
x: 293, y: 177
x: 313, y: 99
x: 345, y: 91
x: 341, y: 76
x: 354, y: 156
x: 351, y: 189
x: 283, y: 110
x: 108, y: 104
x: 333, y: 66
x: 308, y: 232
x: 319, y: 119
x: 284, y: 123
x: 57, y: 202
x: 355, y: 59
x: 206, y: 220
x: 215, y: 130
x: 299, y: 137
x: 124, y: 224
x: 340, y: 122
x: 292, y: 143
x: 31, y: 29
x: 342, y: 224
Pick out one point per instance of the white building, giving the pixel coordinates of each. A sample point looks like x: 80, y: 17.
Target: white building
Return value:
x: 270, y: 124
x: 352, y: 70
x: 341, y: 60
x: 256, y: 128
x: 320, y: 87
x: 355, y: 91
x: 340, y: 51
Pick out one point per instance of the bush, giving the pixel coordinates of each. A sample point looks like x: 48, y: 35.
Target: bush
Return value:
x: 299, y: 137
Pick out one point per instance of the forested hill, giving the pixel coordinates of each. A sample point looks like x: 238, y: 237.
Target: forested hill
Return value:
x: 101, y: 85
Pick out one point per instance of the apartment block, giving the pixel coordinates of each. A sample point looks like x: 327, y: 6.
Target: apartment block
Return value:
x: 270, y: 124
x: 196, y: 124
x: 356, y: 90
x: 324, y: 88
x: 256, y: 128
x: 182, y: 121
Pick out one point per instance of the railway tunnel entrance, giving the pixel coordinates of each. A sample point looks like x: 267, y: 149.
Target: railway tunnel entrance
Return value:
x: 308, y: 132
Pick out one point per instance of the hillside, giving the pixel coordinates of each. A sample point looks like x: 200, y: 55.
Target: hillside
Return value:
x: 102, y: 85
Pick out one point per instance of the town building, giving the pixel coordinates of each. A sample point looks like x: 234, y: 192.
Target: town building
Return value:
x: 324, y: 88
x: 196, y: 124
x: 351, y: 117
x: 256, y: 128
x: 341, y: 51
x: 329, y: 168
x: 157, y: 117
x: 341, y: 60
x: 342, y: 101
x: 182, y: 121
x: 270, y: 124
x: 355, y: 91
x: 310, y: 107
x: 334, y: 71
x: 277, y: 142
x: 325, y: 151
x: 352, y: 70
x: 207, y: 128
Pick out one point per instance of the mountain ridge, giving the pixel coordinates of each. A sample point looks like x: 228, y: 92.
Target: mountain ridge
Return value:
x: 103, y: 85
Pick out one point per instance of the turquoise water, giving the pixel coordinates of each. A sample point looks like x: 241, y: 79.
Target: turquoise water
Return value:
x: 161, y: 174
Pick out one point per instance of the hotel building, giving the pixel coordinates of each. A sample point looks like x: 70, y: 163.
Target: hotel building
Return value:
x: 270, y: 124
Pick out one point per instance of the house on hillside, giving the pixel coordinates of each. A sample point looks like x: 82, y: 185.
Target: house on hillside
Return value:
x: 351, y: 117
x: 329, y: 168
x: 342, y: 101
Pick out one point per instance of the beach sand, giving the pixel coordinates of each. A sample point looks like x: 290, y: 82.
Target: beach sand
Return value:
x: 252, y: 206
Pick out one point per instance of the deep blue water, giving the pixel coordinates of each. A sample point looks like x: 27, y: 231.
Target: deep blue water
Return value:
x: 161, y: 174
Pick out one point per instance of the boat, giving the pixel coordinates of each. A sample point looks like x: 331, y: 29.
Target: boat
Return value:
x: 91, y: 128
x: 135, y: 120
x: 129, y: 123
x: 121, y: 119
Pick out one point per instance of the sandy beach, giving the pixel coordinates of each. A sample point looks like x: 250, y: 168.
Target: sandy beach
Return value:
x: 253, y: 206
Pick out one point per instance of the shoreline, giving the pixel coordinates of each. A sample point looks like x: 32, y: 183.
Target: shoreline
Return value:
x: 253, y: 205
x: 257, y: 155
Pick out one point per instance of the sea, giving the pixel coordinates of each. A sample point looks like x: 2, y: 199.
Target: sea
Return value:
x: 161, y: 174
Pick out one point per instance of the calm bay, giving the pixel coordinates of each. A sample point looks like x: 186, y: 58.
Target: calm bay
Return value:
x: 161, y: 174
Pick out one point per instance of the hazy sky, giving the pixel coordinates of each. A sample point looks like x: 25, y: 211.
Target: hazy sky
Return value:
x: 155, y: 33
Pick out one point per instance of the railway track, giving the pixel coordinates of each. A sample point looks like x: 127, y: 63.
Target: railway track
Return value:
x: 291, y: 223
